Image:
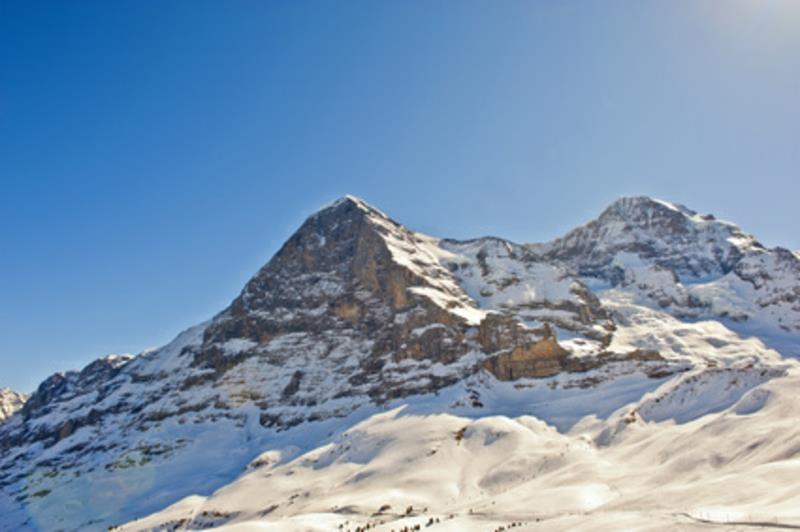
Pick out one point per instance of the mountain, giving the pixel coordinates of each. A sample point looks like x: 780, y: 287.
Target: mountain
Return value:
x: 663, y: 234
x: 397, y: 471
x: 692, y: 265
x: 10, y: 402
x: 361, y: 337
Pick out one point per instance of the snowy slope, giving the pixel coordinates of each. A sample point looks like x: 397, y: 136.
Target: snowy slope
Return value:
x: 400, y: 469
x: 650, y: 319
x: 589, y: 456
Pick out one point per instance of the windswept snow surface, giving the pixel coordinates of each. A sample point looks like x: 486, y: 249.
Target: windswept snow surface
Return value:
x: 398, y: 469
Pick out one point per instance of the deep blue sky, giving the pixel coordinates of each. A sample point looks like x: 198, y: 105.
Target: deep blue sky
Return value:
x: 154, y: 154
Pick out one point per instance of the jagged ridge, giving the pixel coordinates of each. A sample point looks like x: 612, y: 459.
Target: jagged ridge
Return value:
x: 355, y: 310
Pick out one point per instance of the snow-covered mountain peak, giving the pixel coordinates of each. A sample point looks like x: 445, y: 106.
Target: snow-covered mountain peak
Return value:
x: 690, y: 264
x: 633, y: 207
x: 10, y: 402
x: 652, y: 218
x: 349, y: 205
x: 351, y: 253
x: 668, y: 235
x: 356, y: 313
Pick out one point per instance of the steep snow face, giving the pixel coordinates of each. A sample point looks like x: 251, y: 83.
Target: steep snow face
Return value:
x: 760, y: 297
x: 10, y: 402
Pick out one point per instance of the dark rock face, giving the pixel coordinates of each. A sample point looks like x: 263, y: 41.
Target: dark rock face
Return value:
x: 336, y: 278
x: 293, y: 385
x: 50, y: 390
x: 501, y: 332
x: 519, y: 352
x: 64, y: 386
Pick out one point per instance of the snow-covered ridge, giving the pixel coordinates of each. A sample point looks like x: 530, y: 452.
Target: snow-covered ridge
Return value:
x: 692, y: 265
x: 669, y: 235
x: 639, y: 314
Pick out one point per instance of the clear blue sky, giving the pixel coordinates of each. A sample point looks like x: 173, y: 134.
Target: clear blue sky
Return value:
x: 154, y: 154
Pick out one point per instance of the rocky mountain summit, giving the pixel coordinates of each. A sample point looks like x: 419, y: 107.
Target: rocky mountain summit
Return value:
x: 692, y: 265
x: 356, y: 314
x: 669, y: 236
x: 10, y: 402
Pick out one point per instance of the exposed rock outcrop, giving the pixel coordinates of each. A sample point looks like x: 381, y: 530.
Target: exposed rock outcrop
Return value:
x: 544, y: 358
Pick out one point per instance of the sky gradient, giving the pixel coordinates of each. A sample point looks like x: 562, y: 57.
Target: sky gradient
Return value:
x: 153, y: 155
